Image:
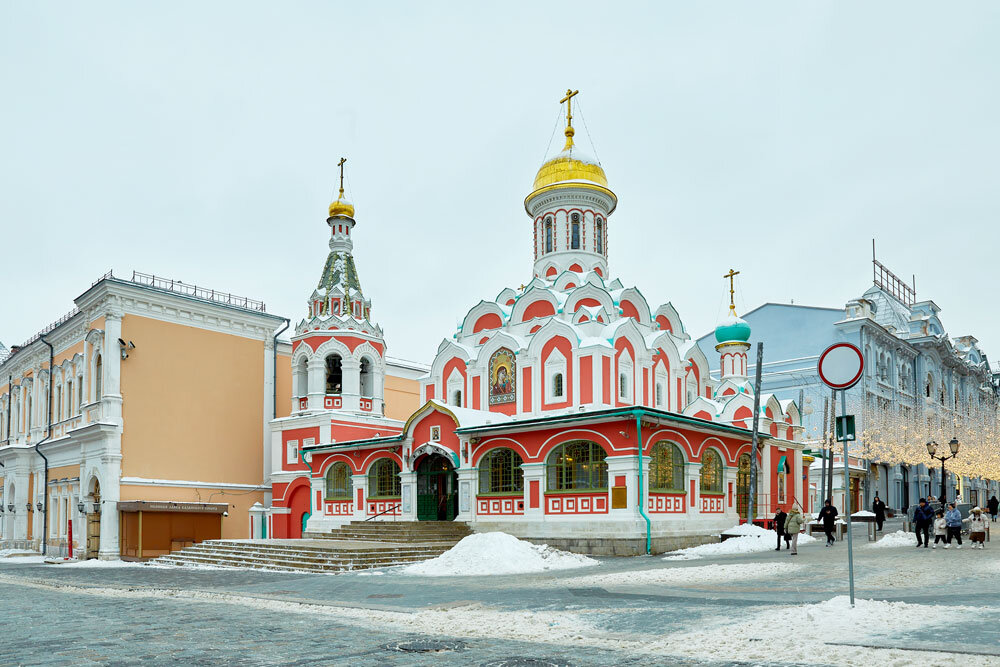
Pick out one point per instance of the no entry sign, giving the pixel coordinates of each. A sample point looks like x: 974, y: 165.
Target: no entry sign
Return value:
x: 841, y: 366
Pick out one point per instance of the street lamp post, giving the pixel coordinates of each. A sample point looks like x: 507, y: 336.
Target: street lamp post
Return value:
x: 932, y: 449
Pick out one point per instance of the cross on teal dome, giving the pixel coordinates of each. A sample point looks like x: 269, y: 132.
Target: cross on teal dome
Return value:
x: 733, y: 329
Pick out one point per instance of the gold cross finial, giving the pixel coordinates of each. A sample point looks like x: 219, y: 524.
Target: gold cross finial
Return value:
x: 732, y: 291
x: 341, y: 165
x: 570, y: 94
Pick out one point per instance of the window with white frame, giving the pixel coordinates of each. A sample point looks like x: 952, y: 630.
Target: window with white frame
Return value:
x: 660, y: 392
x: 555, y: 372
x: 625, y: 377
x: 691, y: 385
x: 454, y: 389
x: 292, y: 451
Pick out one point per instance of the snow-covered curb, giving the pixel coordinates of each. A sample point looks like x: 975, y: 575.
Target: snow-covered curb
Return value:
x: 753, y: 540
x: 497, y: 553
x: 716, y: 574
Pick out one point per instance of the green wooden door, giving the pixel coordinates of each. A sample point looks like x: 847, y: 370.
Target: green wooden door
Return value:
x: 437, y: 489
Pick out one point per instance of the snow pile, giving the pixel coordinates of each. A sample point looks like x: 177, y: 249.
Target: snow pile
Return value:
x: 497, y: 553
x: 863, y: 513
x: 748, y: 529
x: 897, y: 539
x: 715, y: 574
x: 801, y: 631
x: 746, y: 544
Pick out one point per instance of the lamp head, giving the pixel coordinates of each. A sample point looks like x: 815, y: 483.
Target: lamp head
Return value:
x: 931, y: 447
x: 954, y: 446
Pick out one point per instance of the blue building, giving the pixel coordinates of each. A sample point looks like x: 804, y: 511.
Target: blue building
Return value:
x: 919, y: 384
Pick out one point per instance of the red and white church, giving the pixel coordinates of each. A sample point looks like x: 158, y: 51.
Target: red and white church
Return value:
x: 566, y: 410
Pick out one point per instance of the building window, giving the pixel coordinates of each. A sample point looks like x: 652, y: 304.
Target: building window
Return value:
x: 575, y: 231
x: 500, y: 472
x: 557, y: 385
x: 659, y: 395
x: 367, y: 379
x: 59, y: 403
x: 456, y: 398
x: 577, y: 466
x: 383, y: 479
x: 666, y: 468
x: 79, y: 394
x: 98, y: 378
x: 711, y: 472
x: 623, y: 386
x: 599, y: 236
x: 292, y: 451
x: 548, y: 234
x: 302, y: 381
x: 338, y: 482
x: 334, y: 374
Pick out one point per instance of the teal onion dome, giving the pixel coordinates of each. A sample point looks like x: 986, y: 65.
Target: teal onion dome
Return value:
x: 733, y: 329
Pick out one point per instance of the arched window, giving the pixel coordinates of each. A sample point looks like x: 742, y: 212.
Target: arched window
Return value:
x: 302, y: 388
x: 383, y: 479
x: 574, y: 234
x: 367, y: 383
x: 666, y: 467
x: 711, y: 472
x: 659, y: 395
x: 500, y: 472
x: 334, y: 374
x: 599, y: 236
x: 577, y: 466
x: 548, y: 234
x: 456, y: 398
x: 98, y: 378
x: 557, y: 385
x: 338, y: 482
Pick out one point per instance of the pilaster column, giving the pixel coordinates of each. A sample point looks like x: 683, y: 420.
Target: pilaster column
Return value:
x: 408, y: 496
x: 316, y: 382
x: 359, y: 483
x: 534, y: 484
x: 315, y: 521
x: 628, y: 467
x: 110, y: 495
x: 468, y: 485
x: 111, y: 363
x: 797, y: 473
x: 351, y: 374
x: 692, y: 473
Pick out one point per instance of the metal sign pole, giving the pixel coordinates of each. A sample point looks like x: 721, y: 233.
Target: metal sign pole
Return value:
x: 847, y: 495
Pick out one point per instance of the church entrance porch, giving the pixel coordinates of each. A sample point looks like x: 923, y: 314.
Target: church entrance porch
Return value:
x: 437, y: 489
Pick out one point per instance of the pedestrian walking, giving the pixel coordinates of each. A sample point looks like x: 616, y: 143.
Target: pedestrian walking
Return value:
x: 994, y: 506
x: 923, y: 515
x: 828, y: 515
x: 793, y: 524
x: 953, y: 519
x: 878, y: 507
x: 940, y: 529
x: 977, y: 528
x: 779, y: 527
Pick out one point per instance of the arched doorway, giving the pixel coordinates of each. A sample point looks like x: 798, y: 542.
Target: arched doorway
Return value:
x: 298, y: 503
x: 743, y: 486
x: 94, y: 521
x: 437, y: 489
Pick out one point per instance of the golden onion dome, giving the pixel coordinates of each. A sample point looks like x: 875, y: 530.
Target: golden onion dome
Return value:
x: 571, y: 164
x: 342, y: 207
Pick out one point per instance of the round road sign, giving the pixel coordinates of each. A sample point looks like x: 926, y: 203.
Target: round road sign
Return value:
x: 841, y: 366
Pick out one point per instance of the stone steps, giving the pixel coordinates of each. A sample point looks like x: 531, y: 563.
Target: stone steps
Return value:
x: 400, y: 531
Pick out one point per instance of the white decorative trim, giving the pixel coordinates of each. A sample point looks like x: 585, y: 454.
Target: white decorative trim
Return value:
x: 143, y: 481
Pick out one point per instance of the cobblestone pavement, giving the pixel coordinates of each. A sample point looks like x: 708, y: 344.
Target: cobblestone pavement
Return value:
x: 56, y: 615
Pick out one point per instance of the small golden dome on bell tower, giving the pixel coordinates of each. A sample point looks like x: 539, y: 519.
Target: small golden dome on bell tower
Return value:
x: 341, y: 207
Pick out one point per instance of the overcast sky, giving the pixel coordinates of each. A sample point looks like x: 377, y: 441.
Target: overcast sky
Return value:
x: 198, y: 141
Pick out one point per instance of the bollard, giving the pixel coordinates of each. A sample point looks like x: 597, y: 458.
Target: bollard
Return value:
x: 70, y: 537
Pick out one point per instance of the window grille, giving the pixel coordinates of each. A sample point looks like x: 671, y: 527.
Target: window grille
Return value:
x: 666, y: 467
x: 338, y: 482
x: 500, y: 472
x: 711, y: 472
x: 383, y: 479
x: 577, y: 466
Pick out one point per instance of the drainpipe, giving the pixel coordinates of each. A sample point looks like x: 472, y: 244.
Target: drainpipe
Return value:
x: 302, y: 455
x: 638, y: 412
x: 48, y: 435
x: 274, y: 373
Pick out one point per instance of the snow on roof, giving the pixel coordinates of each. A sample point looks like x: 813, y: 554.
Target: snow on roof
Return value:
x: 470, y: 417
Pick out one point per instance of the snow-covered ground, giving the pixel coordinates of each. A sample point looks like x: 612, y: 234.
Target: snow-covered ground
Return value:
x: 497, y: 553
x: 752, y: 539
x: 687, y: 575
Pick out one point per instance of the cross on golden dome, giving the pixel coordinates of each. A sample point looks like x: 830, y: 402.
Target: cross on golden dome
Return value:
x: 341, y: 165
x: 341, y: 207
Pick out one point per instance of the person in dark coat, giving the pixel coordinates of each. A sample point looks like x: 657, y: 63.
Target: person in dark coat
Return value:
x: 878, y: 507
x: 779, y: 527
x: 923, y: 516
x: 828, y: 515
x: 994, y: 506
